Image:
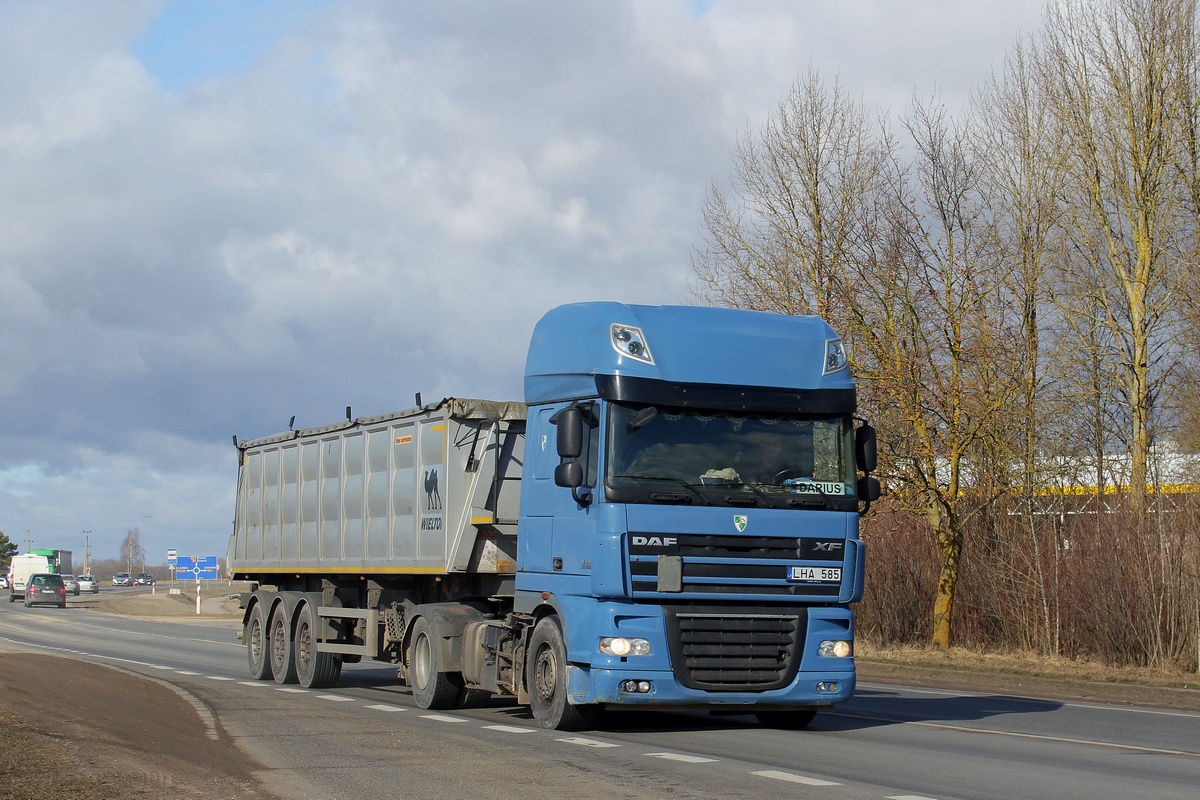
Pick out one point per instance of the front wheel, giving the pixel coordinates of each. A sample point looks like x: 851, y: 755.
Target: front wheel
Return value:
x: 546, y: 681
x: 430, y: 688
x: 256, y: 644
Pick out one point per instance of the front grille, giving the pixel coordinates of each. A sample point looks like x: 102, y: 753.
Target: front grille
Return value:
x: 741, y: 565
x: 743, y: 650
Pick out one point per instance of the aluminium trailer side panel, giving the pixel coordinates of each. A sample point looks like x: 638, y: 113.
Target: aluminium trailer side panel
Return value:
x: 431, y: 490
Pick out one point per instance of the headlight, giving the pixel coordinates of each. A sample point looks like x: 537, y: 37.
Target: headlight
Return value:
x: 620, y: 646
x: 835, y: 649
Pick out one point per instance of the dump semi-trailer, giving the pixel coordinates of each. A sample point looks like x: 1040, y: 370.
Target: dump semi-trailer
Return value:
x: 670, y: 519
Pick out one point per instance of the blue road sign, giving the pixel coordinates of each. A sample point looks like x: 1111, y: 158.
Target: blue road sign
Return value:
x: 194, y: 568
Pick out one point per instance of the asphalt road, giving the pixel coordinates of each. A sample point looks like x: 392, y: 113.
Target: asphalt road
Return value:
x: 366, y: 738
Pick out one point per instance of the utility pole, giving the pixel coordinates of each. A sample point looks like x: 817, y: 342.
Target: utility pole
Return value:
x: 28, y: 541
x: 86, y: 570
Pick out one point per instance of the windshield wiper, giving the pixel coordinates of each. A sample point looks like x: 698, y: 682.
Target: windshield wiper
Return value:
x: 680, y: 481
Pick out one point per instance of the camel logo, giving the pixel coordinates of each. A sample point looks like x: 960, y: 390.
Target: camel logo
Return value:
x: 433, y: 498
x: 739, y: 522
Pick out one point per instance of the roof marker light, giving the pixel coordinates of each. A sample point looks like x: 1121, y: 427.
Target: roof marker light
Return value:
x: 629, y: 341
x: 835, y: 356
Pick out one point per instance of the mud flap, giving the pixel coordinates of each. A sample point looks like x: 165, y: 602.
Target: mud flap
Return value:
x: 579, y: 685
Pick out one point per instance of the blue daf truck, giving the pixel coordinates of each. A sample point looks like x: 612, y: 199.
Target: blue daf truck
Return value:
x: 668, y: 520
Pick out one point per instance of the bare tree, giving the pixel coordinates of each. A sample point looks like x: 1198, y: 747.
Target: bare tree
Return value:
x: 800, y: 206
x: 1111, y: 70
x: 131, y: 549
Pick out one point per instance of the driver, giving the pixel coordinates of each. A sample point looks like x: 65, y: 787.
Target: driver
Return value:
x: 773, y: 463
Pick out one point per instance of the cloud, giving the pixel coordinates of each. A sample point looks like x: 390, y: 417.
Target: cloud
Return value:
x: 353, y: 203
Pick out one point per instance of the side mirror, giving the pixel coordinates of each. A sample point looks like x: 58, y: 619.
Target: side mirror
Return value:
x: 865, y: 448
x: 868, y: 488
x: 569, y: 475
x: 570, y: 432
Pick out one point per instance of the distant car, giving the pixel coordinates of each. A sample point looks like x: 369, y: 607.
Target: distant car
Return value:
x: 72, y: 584
x: 45, y: 588
x: 3, y: 581
x: 88, y: 583
x: 122, y: 579
x: 144, y: 579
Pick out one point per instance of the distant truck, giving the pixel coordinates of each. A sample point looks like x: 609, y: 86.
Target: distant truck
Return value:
x: 31, y: 563
x: 669, y: 520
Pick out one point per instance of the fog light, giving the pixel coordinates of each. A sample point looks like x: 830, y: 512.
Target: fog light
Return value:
x: 828, y: 687
x: 620, y: 646
x: 644, y: 686
x: 635, y: 687
x: 835, y: 649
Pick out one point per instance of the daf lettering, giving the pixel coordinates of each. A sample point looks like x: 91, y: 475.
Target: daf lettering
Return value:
x: 655, y: 541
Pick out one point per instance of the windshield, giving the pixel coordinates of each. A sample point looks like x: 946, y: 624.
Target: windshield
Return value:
x: 783, y: 460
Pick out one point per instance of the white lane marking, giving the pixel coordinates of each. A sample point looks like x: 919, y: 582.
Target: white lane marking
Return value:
x: 218, y: 678
x: 909, y: 797
x: 291, y: 690
x: 791, y: 777
x: 185, y: 672
x: 442, y: 718
x: 160, y: 666
x: 335, y: 698
x: 584, y: 742
x: 256, y: 684
x: 681, y: 757
x: 508, y: 729
x: 385, y: 707
x: 1016, y: 735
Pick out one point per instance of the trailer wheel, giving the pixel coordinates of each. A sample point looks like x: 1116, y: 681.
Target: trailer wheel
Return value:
x: 546, y: 681
x: 315, y: 670
x: 786, y: 720
x: 430, y: 688
x: 280, y: 648
x: 256, y: 645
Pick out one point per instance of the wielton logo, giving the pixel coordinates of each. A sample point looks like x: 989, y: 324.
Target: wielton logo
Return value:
x: 740, y: 521
x: 433, y: 498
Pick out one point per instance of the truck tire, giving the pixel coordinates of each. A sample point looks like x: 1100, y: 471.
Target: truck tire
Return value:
x: 280, y: 647
x: 786, y: 720
x: 256, y: 645
x: 546, y: 681
x: 430, y: 688
x: 314, y: 669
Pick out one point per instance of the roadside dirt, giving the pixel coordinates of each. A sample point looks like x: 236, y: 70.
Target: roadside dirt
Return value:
x: 101, y: 732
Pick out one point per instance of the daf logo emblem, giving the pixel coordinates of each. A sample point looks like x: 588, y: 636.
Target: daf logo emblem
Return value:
x: 828, y: 547
x: 739, y: 522
x: 655, y: 541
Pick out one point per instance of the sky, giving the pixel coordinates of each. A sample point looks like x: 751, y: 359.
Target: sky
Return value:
x: 218, y: 214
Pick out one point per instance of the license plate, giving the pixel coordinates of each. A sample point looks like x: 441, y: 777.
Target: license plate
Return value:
x: 815, y: 574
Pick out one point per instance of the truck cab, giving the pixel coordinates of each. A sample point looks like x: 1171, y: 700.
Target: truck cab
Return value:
x: 689, y: 512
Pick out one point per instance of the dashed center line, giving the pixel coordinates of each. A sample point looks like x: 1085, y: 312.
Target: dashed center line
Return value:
x: 442, y: 718
x: 291, y: 690
x: 385, y: 707
x: 335, y: 698
x: 585, y: 742
x: 681, y: 757
x: 791, y: 777
x: 508, y: 729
